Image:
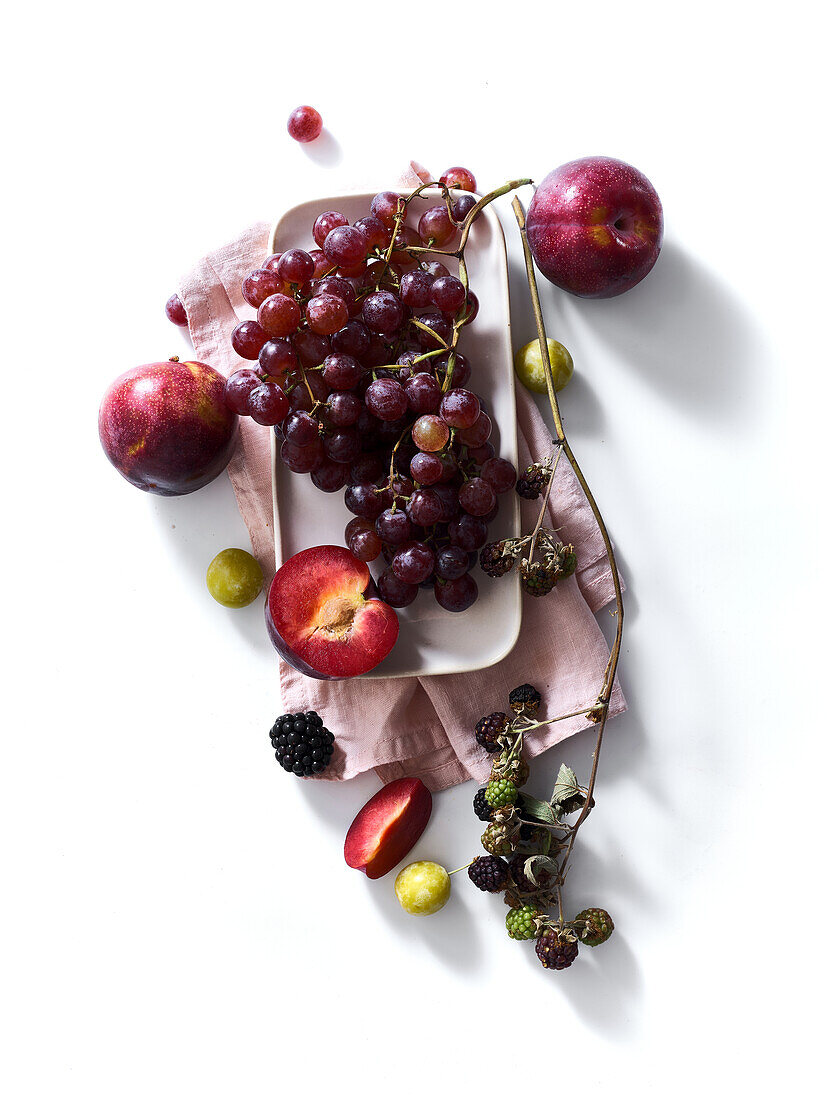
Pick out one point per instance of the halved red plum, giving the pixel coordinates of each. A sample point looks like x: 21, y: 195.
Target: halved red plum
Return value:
x: 388, y: 826
x: 324, y: 615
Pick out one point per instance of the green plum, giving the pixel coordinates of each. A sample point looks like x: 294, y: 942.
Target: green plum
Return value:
x: 423, y: 887
x: 528, y: 364
x: 234, y: 578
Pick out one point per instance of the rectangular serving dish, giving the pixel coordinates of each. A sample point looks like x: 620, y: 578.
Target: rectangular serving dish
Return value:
x: 432, y: 641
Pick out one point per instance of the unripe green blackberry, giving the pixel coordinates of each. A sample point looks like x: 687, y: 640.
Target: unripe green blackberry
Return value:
x: 496, y: 840
x: 520, y: 924
x: 500, y: 792
x: 593, y: 927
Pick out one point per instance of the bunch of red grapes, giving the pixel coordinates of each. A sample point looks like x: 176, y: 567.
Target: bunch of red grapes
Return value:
x: 358, y: 372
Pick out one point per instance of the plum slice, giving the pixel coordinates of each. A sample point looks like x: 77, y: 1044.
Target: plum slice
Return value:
x: 388, y: 826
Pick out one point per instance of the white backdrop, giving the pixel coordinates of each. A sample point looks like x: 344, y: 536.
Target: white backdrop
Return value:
x: 178, y: 919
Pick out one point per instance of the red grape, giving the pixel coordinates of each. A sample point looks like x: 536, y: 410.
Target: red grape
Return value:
x: 478, y: 433
x: 353, y: 339
x: 300, y: 428
x: 302, y: 460
x: 457, y: 595
x: 343, y: 445
x: 415, y: 289
x: 437, y: 332
x: 272, y: 262
x: 425, y: 507
x: 175, y: 311
x: 481, y: 454
x: 326, y: 314
x: 393, y: 527
x: 248, y: 338
x: 430, y: 433
x: 341, y: 372
x: 500, y: 474
x: 376, y: 233
x: 267, y: 404
x: 346, y: 246
x: 313, y: 348
x: 343, y: 409
x: 462, y: 206
x: 363, y: 500
x: 436, y: 227
x: 451, y: 562
x: 305, y: 124
x: 338, y: 288
x: 296, y: 266
x: 384, y: 206
x: 394, y: 591
x: 279, y: 315
x: 327, y: 221
x: 426, y: 468
x: 404, y: 238
x: 471, y: 308
x: 238, y: 388
x: 330, y: 477
x: 459, y: 408
x: 382, y: 312
x: 477, y: 497
x: 423, y: 393
x: 447, y: 294
x: 386, y: 399
x: 459, y: 178
x: 321, y: 265
x: 259, y: 285
x: 365, y: 545
x: 413, y: 562
x: 469, y: 532
x: 450, y: 501
x: 276, y: 358
x: 435, y: 268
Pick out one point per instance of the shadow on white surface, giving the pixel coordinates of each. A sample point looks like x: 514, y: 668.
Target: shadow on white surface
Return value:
x: 324, y: 151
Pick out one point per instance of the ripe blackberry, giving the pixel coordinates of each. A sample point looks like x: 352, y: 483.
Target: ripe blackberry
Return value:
x: 593, y: 927
x: 537, y: 577
x: 520, y: 924
x: 491, y: 727
x: 556, y: 951
x: 525, y: 699
x: 303, y: 745
x: 495, y: 560
x: 500, y: 792
x: 481, y: 807
x: 516, y: 868
x: 533, y: 480
x: 497, y: 841
x: 489, y: 873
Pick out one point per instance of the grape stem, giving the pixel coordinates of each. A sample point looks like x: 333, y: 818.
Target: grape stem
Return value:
x: 614, y: 655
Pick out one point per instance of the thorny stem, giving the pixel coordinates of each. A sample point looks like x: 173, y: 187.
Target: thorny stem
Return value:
x: 611, y: 668
x: 541, y: 516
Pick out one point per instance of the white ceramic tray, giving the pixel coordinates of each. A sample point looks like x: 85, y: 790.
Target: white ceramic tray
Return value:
x: 432, y: 641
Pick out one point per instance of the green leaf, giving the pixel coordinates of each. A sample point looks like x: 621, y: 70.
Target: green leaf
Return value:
x: 540, y: 811
x: 535, y: 864
x: 566, y: 795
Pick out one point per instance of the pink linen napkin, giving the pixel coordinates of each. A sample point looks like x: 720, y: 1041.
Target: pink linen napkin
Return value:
x: 421, y: 726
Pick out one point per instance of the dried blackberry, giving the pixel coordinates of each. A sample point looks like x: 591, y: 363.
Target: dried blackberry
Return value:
x: 490, y: 728
x: 593, y: 926
x: 495, y: 559
x: 533, y: 480
x: 537, y: 577
x: 497, y: 840
x: 525, y: 699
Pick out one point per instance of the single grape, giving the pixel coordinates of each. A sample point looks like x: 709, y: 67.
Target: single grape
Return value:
x: 376, y: 233
x: 367, y: 468
x: 470, y: 309
x: 430, y: 433
x: 457, y: 595
x: 343, y: 409
x: 451, y: 563
x: 272, y: 262
x: 175, y: 311
x: 302, y: 460
x: 379, y: 351
x: 384, y: 206
x: 339, y: 288
x: 346, y: 246
x: 450, y: 501
x: 477, y: 497
x: 481, y: 454
x: 404, y: 238
x: 425, y: 507
x: 437, y: 332
x: 276, y: 358
x: 326, y: 314
x: 462, y: 206
x: 413, y: 562
x: 330, y: 477
x: 461, y: 372
x: 435, y: 268
x: 327, y: 221
x: 353, y: 339
x: 436, y: 227
x: 363, y: 500
x: 382, y: 312
x: 279, y: 315
x: 259, y: 285
x: 478, y: 433
x: 449, y: 466
x: 447, y: 294
x: 238, y: 388
x: 386, y: 399
x: 356, y: 525
x: 234, y: 578
x: 500, y: 474
x: 459, y: 408
x: 321, y: 265
x: 365, y: 545
x: 248, y: 338
x: 343, y: 445
x: 300, y: 400
x: 395, y: 592
x: 304, y: 124
x: 296, y: 266
x: 460, y: 178
x: 341, y: 372
x: 300, y: 428
x: 312, y: 347
x: 393, y: 527
x: 267, y: 404
x: 469, y: 532
x: 424, y: 394
x: 415, y: 289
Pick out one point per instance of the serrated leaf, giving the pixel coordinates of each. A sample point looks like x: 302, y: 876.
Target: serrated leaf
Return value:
x: 540, y: 811
x: 534, y: 864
